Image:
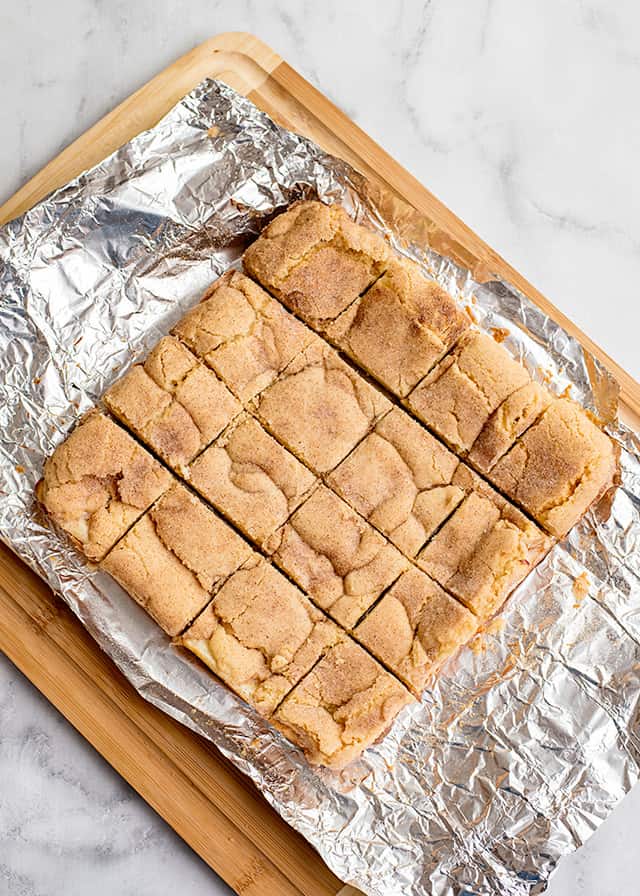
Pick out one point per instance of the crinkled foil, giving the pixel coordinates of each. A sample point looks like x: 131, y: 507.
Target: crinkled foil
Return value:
x: 529, y: 738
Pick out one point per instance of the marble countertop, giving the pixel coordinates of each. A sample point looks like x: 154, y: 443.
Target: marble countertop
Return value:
x: 520, y: 117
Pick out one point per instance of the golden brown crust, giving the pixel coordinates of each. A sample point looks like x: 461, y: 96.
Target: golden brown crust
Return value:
x: 400, y: 327
x: 559, y: 467
x: 251, y: 479
x: 243, y: 334
x: 400, y: 479
x: 336, y: 556
x: 346, y: 703
x: 485, y: 549
x: 415, y: 628
x: 510, y: 419
x: 98, y: 482
x: 173, y: 403
x: 172, y: 560
x: 261, y: 635
x: 457, y: 398
x: 320, y: 408
x: 316, y: 260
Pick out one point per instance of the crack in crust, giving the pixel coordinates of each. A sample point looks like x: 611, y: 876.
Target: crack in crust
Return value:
x: 261, y: 635
x: 336, y: 556
x: 316, y: 260
x: 173, y: 403
x: 319, y: 408
x: 401, y: 480
x: 98, y: 482
x: 251, y: 478
x: 243, y: 334
x: 457, y: 398
x: 518, y: 412
x: 400, y: 328
x: 485, y: 548
x: 415, y: 628
x: 344, y: 704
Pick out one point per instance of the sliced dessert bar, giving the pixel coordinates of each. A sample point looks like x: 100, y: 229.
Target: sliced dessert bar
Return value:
x: 400, y: 328
x: 544, y: 452
x: 457, y: 398
x: 415, y: 628
x: 345, y: 703
x: 174, y: 557
x: 173, y: 403
x: 243, y: 334
x: 558, y: 467
x: 261, y: 635
x: 98, y: 482
x: 400, y: 478
x: 336, y: 556
x: 484, y: 549
x: 251, y: 478
x: 316, y: 260
x: 320, y: 408
x: 508, y: 421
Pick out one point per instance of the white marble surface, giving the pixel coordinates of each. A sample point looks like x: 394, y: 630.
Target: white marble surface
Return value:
x: 522, y: 117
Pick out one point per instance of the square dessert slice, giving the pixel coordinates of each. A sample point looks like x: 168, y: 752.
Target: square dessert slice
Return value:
x: 173, y: 403
x: 251, y: 478
x: 400, y: 328
x: 174, y: 557
x: 243, y: 334
x: 320, y: 408
x: 459, y: 395
x: 400, y: 478
x: 316, y: 260
x: 261, y: 635
x: 508, y: 421
x: 558, y: 467
x: 98, y: 482
x: 415, y: 628
x: 484, y: 549
x: 336, y: 556
x: 345, y: 704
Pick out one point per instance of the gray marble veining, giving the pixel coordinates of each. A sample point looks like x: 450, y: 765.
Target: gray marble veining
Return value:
x: 520, y: 117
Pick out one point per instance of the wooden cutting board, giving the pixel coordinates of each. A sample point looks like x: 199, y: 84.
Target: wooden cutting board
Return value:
x: 211, y: 805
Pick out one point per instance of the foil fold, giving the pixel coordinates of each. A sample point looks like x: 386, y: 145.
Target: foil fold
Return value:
x: 529, y: 738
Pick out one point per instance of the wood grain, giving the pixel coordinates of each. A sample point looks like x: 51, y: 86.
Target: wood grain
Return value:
x: 195, y: 790
x: 202, y: 796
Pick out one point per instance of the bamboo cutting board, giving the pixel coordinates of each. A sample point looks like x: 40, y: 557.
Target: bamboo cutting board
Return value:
x: 211, y: 805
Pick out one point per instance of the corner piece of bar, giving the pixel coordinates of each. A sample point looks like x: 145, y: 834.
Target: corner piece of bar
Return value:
x: 261, y: 635
x: 251, y: 478
x: 336, y: 556
x: 485, y: 548
x: 174, y: 558
x: 459, y: 395
x: 98, y: 482
x: 415, y: 628
x: 400, y: 328
x: 316, y: 260
x: 559, y: 467
x: 320, y: 408
x: 400, y: 478
x: 173, y: 403
x: 345, y: 704
x: 242, y: 333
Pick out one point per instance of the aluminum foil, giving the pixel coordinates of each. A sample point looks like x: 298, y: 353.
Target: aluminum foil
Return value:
x: 528, y: 739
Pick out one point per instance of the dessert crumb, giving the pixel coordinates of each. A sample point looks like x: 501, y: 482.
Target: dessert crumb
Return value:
x: 499, y: 333
x: 580, y: 588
